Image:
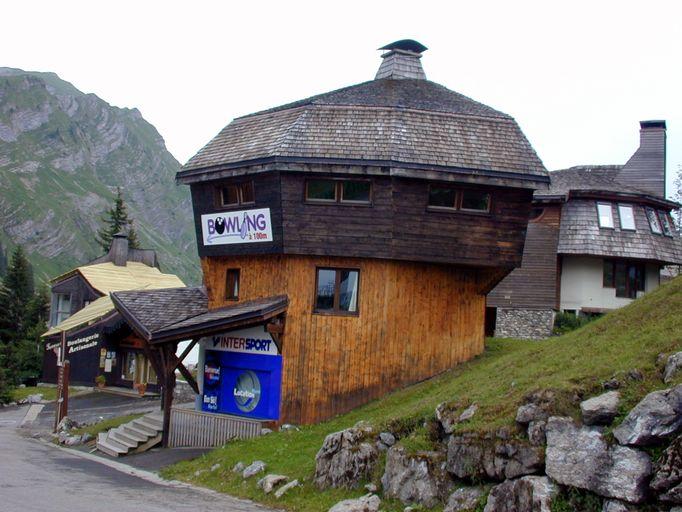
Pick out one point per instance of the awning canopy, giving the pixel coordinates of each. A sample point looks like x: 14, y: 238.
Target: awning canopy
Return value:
x: 176, y: 314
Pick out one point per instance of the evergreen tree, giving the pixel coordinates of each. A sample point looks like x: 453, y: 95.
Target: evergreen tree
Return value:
x: 116, y: 220
x: 3, y: 261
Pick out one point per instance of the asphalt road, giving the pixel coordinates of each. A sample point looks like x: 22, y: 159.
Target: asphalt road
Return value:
x: 35, y: 477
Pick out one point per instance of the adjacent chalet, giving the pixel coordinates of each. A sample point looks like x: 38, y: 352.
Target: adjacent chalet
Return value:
x: 597, y: 239
x: 348, y: 242
x: 82, y: 317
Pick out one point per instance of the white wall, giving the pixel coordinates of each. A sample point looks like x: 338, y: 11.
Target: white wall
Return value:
x: 581, y: 284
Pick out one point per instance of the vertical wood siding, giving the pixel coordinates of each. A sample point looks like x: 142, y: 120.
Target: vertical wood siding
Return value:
x: 415, y: 320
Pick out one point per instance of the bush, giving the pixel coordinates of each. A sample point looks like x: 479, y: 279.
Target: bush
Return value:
x: 567, y: 322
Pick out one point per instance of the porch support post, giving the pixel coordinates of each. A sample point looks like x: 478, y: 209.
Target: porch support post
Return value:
x: 168, y: 357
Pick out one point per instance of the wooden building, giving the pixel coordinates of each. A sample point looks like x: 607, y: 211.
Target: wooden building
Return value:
x: 383, y: 213
x: 98, y: 340
x: 597, y: 239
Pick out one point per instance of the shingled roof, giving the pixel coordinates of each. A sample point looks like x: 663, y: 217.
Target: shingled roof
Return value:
x: 182, y: 313
x: 386, y: 121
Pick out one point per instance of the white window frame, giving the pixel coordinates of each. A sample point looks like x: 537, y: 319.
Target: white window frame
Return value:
x: 630, y: 207
x: 654, y: 221
x: 600, y: 217
x: 666, y: 225
x: 59, y: 315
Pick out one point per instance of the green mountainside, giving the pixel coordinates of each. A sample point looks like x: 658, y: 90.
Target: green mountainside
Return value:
x: 62, y: 155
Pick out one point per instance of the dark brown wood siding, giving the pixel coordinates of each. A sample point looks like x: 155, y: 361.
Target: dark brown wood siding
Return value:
x: 78, y: 288
x: 534, y: 284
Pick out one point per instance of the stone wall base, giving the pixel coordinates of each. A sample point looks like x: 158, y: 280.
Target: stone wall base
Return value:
x: 533, y: 324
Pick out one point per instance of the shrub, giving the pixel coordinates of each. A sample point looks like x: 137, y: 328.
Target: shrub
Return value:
x: 567, y: 322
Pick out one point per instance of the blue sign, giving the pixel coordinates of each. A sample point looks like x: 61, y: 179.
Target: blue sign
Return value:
x: 242, y: 384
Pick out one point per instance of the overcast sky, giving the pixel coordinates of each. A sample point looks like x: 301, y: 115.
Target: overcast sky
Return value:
x: 577, y: 76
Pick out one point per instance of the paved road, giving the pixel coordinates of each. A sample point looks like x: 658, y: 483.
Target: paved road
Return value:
x: 35, y: 477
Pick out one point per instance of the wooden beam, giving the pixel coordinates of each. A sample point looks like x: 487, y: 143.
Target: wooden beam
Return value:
x: 168, y: 356
x: 188, y: 377
x: 187, y: 350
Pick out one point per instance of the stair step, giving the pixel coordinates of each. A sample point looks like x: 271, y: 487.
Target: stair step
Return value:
x: 154, y: 419
x: 134, y: 434
x: 118, y: 435
x: 105, y: 445
x: 116, y: 444
x: 145, y: 427
x: 151, y: 424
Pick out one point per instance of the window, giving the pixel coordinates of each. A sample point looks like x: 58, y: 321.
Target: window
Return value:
x: 232, y: 284
x: 465, y: 200
x: 605, y: 215
x: 666, y: 225
x: 338, y: 191
x: 237, y: 194
x: 654, y: 223
x: 336, y: 291
x: 62, y: 307
x: 627, y: 278
x: 627, y: 217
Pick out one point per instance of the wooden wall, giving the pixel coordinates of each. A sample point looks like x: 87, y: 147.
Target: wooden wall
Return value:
x: 534, y: 284
x: 415, y: 320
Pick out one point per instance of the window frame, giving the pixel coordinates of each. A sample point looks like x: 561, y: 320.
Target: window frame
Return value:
x: 461, y: 208
x: 613, y: 221
x: 631, y: 287
x: 620, y: 216
x: 56, y: 314
x: 231, y: 272
x: 459, y: 198
x: 336, y: 311
x: 240, y: 194
x: 666, y: 224
x: 338, y: 193
x: 648, y: 209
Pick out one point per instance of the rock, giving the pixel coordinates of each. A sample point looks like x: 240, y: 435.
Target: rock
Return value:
x: 387, y: 438
x: 611, y: 384
x: 667, y: 481
x: 34, y: 399
x: 257, y: 466
x: 289, y: 428
x: 526, y: 494
x: 536, y: 433
x: 616, y: 506
x: 464, y: 499
x: 600, y: 410
x: 66, y: 424
x: 656, y: 417
x: 415, y: 478
x: 445, y: 418
x: 269, y: 482
x: 530, y: 412
x: 493, y: 457
x: 635, y: 374
x: 238, y: 467
x: 285, y: 488
x: 62, y: 437
x: 367, y: 503
x: 580, y: 457
x: 85, y: 438
x: 199, y: 472
x: 215, y: 467
x: 73, y: 440
x: 468, y: 413
x: 371, y: 488
x: 381, y: 446
x: 345, y: 458
x: 673, y: 366
x: 265, y: 431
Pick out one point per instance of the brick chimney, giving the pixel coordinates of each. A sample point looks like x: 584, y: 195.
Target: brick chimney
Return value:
x: 402, y: 60
x: 646, y: 168
x: 118, y: 252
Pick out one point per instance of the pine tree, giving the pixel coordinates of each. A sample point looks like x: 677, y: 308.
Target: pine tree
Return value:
x: 3, y: 261
x: 116, y: 220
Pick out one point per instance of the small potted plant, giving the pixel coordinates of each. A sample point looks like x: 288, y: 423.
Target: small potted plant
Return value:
x: 142, y: 388
x: 100, y: 381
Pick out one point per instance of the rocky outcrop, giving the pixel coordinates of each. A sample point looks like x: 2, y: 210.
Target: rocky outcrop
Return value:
x: 600, y: 410
x: 527, y: 494
x: 464, y: 499
x: 673, y: 367
x: 657, y: 417
x: 580, y: 457
x: 418, y: 478
x: 367, y: 503
x: 493, y: 457
x: 345, y: 458
x: 667, y: 481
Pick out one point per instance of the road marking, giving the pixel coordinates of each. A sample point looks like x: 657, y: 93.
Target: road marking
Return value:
x: 31, y: 414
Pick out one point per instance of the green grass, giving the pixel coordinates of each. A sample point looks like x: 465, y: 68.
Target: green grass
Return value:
x: 573, y: 365
x: 105, y: 425
x: 48, y: 393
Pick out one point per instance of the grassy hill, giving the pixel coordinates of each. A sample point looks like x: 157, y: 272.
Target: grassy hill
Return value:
x: 63, y: 153
x: 573, y: 365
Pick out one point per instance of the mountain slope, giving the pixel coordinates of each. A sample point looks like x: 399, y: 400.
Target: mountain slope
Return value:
x: 62, y: 155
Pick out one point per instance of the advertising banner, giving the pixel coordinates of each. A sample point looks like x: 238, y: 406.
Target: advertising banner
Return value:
x: 236, y: 227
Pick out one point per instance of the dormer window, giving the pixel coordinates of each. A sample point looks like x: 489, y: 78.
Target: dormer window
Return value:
x: 61, y: 307
x: 666, y: 225
x: 627, y: 217
x: 237, y: 194
x: 605, y: 215
x: 654, y: 222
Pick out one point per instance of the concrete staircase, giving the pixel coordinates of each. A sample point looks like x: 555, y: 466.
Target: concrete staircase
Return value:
x: 133, y: 437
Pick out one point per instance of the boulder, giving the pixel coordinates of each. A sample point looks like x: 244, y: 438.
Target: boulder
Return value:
x: 286, y: 488
x: 530, y: 412
x: 492, y: 456
x: 257, y: 466
x: 580, y: 457
x: 269, y: 482
x: 667, y: 481
x: 367, y: 503
x: 657, y: 417
x: 345, y: 458
x: 526, y: 494
x: 600, y: 410
x: 673, y: 367
x: 238, y: 467
x: 387, y: 438
x: 464, y: 499
x: 616, y: 506
x: 415, y: 478
x: 536, y: 433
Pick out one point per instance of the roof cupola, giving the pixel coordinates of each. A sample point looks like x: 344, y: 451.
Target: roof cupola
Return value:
x: 402, y: 60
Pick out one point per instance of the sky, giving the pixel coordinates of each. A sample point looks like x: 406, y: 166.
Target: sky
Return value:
x: 577, y: 76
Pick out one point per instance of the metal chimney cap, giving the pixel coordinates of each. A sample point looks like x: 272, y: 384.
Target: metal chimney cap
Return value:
x: 408, y: 45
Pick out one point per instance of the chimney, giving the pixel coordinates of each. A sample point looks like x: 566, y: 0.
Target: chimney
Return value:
x: 646, y: 168
x: 118, y: 252
x: 402, y: 60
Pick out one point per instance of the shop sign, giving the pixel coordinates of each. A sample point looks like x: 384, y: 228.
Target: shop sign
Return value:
x: 254, y: 340
x: 76, y: 345
x: 237, y: 227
